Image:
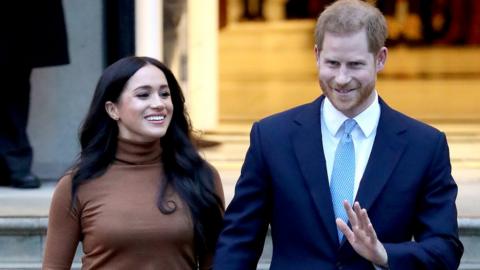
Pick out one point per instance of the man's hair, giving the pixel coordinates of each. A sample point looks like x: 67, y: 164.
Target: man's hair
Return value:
x: 348, y: 16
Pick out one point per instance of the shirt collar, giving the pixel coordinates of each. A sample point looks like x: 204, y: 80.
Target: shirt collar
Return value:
x: 366, y: 120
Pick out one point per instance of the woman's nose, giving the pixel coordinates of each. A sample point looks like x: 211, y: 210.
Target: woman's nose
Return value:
x: 157, y: 102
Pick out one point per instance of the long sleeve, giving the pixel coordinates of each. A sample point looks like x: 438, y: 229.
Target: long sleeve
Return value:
x: 117, y: 219
x: 436, y: 246
x: 218, y: 185
x: 206, y: 263
x: 247, y: 217
x: 63, y: 233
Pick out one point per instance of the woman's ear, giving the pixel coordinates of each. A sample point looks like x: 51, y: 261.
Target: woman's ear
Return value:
x: 112, y: 110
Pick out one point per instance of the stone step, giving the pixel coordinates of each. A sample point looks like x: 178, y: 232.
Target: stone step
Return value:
x: 22, y: 240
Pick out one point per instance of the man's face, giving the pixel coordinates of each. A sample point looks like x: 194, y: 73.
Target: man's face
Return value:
x: 347, y: 71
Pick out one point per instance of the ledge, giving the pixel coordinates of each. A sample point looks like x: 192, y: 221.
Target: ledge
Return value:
x: 29, y: 225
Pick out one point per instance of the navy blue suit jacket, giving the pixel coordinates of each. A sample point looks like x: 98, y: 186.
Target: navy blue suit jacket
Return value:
x: 407, y: 189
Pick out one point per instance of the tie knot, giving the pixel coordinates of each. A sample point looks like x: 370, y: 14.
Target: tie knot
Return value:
x: 349, y: 124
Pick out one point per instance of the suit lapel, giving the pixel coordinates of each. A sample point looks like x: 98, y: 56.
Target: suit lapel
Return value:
x: 307, y: 142
x: 386, y: 152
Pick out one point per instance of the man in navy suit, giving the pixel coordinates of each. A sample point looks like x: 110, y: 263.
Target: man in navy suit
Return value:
x: 403, y: 215
x: 33, y: 35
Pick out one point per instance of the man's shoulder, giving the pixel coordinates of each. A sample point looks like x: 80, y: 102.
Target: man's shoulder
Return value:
x: 290, y: 115
x: 416, y: 126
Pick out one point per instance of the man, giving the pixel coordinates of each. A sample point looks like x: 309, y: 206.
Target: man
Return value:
x: 306, y: 166
x: 173, y: 10
x: 37, y: 38
x: 252, y: 10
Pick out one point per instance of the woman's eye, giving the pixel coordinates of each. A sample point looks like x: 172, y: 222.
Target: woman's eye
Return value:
x: 142, y: 95
x: 165, y: 94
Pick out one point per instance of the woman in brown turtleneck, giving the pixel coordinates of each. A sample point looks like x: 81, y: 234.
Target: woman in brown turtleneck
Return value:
x: 139, y: 196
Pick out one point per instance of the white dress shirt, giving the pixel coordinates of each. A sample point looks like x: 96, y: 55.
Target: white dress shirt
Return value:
x: 363, y: 136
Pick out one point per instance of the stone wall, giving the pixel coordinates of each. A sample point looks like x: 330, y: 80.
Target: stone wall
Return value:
x: 61, y: 94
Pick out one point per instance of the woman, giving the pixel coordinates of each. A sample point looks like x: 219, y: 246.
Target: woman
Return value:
x: 139, y: 196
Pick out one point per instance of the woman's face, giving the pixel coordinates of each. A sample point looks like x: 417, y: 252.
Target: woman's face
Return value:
x: 144, y: 109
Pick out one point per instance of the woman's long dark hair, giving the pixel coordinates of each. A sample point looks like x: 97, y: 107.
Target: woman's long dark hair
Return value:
x: 186, y: 172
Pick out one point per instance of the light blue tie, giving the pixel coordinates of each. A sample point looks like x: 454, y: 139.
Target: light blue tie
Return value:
x: 343, y: 173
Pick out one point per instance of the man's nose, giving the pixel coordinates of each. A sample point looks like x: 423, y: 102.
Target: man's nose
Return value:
x: 343, y: 77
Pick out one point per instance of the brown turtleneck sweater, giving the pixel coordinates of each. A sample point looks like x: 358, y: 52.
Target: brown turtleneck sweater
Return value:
x: 117, y: 219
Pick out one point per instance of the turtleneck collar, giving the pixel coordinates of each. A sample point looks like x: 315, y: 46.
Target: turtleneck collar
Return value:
x: 137, y: 153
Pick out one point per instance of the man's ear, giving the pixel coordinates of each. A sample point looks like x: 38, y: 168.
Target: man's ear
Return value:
x: 381, y: 59
x: 316, y: 51
x: 112, y: 110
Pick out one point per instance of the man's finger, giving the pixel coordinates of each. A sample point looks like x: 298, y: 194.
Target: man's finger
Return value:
x: 360, y: 215
x: 352, y: 216
x: 364, y: 220
x: 345, y: 230
x: 372, y: 234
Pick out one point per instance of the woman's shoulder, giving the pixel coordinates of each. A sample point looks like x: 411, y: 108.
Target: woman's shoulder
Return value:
x: 215, y: 173
x: 66, y: 178
x: 211, y: 167
x: 64, y: 186
x: 62, y: 197
x: 217, y: 181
